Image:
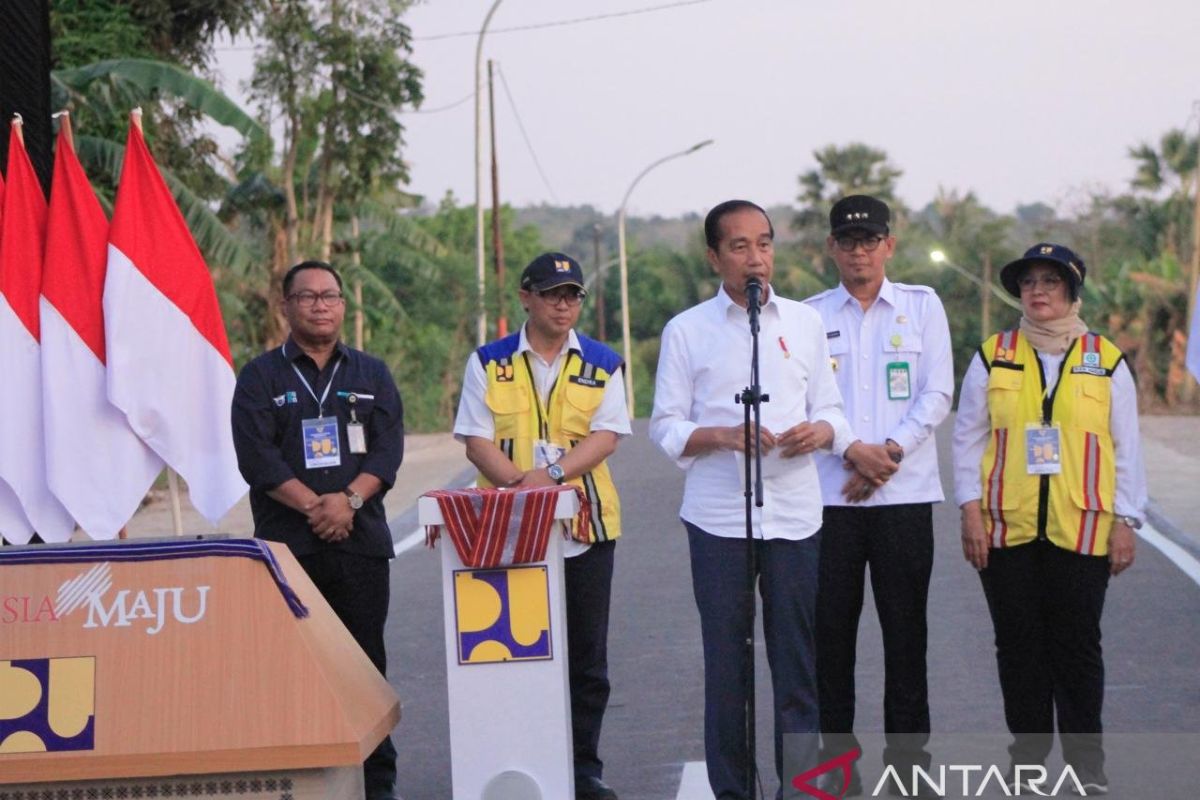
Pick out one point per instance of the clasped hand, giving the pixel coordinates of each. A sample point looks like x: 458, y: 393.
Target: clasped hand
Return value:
x: 870, y: 466
x: 802, y: 439
x: 330, y: 517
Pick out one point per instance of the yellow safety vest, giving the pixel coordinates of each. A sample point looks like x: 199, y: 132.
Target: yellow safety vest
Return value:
x: 565, y: 420
x: 1074, y: 508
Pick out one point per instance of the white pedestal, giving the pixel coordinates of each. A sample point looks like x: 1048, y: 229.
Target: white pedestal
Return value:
x: 506, y: 673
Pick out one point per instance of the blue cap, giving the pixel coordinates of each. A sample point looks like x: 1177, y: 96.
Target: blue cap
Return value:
x: 549, y: 270
x: 1071, y: 265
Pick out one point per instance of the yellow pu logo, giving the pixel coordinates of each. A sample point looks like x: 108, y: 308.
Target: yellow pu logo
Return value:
x: 502, y: 615
x: 47, y: 705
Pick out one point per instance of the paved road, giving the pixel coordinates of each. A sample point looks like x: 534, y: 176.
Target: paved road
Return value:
x: 653, y: 726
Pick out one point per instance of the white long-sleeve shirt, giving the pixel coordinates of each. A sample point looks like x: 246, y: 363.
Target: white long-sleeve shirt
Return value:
x: 703, y: 364
x: 972, y: 426
x: 904, y: 325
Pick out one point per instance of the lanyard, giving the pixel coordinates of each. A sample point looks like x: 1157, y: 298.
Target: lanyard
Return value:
x: 543, y: 409
x: 320, y: 400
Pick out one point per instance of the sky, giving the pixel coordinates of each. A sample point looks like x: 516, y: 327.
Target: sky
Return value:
x: 1018, y: 101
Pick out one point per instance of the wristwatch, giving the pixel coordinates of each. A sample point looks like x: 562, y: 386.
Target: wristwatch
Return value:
x: 556, y: 472
x: 1132, y: 522
x: 356, y: 500
x: 896, y: 457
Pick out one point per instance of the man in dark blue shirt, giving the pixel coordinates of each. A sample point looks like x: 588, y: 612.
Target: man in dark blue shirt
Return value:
x: 319, y: 433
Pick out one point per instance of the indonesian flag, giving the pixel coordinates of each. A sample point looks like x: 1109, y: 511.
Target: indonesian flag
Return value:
x: 22, y: 456
x: 95, y: 464
x: 169, y: 366
x: 14, y: 525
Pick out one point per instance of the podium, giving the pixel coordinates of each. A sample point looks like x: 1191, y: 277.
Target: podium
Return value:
x: 506, y: 671
x: 179, y: 668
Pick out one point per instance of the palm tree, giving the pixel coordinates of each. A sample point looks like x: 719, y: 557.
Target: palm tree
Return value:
x: 107, y: 90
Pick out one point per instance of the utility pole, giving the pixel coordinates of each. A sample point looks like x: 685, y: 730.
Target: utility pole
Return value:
x: 497, y: 241
x: 356, y: 260
x: 481, y: 309
x: 600, y: 331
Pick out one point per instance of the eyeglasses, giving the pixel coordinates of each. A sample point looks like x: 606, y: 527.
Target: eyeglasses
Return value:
x: 869, y: 243
x: 309, y: 299
x: 1048, y: 282
x: 572, y: 297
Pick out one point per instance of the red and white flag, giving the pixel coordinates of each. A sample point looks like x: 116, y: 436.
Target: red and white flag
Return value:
x: 22, y: 458
x: 95, y: 464
x: 14, y: 525
x: 169, y: 366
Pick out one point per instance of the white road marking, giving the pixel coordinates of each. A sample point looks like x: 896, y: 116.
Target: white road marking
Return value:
x: 1181, y: 558
x: 409, y: 542
x: 418, y: 536
x: 693, y: 783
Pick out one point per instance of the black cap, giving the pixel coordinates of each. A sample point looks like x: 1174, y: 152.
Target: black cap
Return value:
x: 1071, y: 265
x: 549, y: 270
x: 859, y: 212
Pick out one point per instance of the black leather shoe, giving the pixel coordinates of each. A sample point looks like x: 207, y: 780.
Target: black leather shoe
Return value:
x: 593, y: 789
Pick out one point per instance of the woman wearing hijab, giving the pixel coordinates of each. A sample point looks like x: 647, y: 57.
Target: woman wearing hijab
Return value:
x: 1048, y: 474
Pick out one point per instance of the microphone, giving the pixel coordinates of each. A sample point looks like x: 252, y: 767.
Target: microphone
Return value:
x: 754, y: 292
x: 753, y: 301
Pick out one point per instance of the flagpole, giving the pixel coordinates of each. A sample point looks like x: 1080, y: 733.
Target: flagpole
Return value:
x: 176, y: 512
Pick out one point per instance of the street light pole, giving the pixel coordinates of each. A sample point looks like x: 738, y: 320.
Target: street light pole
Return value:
x: 986, y: 288
x: 624, y: 266
x: 481, y: 327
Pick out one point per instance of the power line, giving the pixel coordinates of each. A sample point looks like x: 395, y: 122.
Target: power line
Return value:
x: 563, y: 22
x: 447, y: 107
x: 521, y: 125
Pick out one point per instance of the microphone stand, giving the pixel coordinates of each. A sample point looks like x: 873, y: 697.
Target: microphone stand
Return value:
x: 751, y: 399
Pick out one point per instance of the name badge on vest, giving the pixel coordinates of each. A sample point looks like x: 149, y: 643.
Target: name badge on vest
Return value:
x: 1043, y: 453
x: 321, y: 446
x: 546, y: 453
x: 899, y: 381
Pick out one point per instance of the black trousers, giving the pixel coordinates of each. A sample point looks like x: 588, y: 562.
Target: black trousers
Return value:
x: 896, y: 543
x: 588, y: 578
x: 1046, y: 604
x: 787, y: 577
x: 357, y: 588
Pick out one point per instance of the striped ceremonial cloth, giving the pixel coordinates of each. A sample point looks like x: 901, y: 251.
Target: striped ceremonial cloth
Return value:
x: 133, y: 551
x: 498, y: 527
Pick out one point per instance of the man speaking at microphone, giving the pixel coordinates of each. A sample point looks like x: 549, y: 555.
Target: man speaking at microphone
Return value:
x: 704, y: 363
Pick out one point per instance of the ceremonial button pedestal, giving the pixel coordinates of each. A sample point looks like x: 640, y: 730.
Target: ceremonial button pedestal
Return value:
x: 506, y: 670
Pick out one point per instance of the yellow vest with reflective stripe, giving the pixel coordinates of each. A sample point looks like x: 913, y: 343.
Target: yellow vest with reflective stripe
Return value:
x: 1074, y: 508
x: 577, y: 392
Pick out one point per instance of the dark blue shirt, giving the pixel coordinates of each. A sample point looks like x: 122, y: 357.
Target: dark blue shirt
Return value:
x: 269, y: 405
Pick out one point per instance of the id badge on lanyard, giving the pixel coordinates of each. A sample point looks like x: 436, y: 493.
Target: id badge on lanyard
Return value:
x: 545, y: 452
x: 321, y: 445
x: 1043, y: 450
x: 321, y: 440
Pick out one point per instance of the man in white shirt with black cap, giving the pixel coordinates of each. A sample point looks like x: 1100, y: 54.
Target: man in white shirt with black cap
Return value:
x: 890, y: 349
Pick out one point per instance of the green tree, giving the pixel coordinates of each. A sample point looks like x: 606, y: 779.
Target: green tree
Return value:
x: 1168, y: 174
x: 855, y: 168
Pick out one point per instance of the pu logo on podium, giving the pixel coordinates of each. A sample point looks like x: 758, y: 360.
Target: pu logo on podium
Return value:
x: 502, y: 615
x: 47, y: 705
